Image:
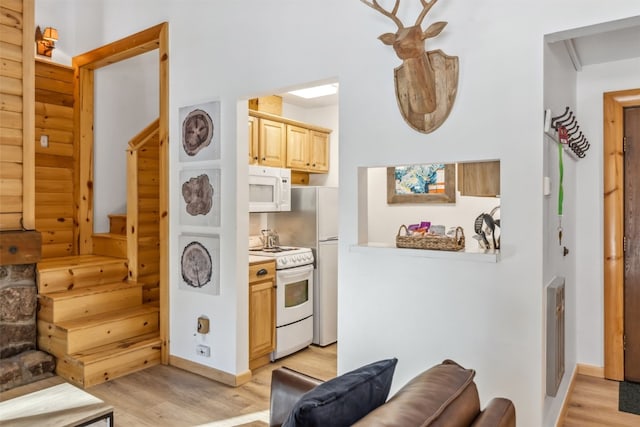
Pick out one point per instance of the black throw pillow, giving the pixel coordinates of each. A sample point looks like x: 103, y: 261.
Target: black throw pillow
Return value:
x: 345, y: 399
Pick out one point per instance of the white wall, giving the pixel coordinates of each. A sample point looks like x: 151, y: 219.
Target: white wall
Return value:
x: 485, y: 316
x: 593, y: 81
x: 126, y: 102
x: 51, y: 13
x: 559, y: 92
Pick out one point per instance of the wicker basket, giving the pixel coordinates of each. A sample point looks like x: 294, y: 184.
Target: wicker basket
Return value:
x: 433, y: 242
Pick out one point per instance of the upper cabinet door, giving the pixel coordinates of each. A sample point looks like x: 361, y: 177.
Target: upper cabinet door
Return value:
x: 319, y: 151
x: 479, y: 179
x: 272, y: 143
x: 297, y: 148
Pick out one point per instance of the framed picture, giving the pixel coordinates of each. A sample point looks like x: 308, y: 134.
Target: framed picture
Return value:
x: 200, y: 132
x: 200, y: 197
x: 425, y: 183
x: 200, y: 263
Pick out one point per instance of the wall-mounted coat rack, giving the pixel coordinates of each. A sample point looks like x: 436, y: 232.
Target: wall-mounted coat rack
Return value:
x: 564, y: 129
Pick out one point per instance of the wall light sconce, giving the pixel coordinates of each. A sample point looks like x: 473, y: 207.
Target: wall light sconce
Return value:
x: 46, y: 42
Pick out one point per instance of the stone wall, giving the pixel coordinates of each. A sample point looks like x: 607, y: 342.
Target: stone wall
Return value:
x: 20, y: 363
x: 18, y: 300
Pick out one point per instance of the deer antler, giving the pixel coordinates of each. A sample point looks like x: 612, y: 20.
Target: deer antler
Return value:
x: 375, y: 5
x: 426, y: 7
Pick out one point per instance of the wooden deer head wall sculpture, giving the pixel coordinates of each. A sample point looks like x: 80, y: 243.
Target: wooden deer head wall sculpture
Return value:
x: 427, y: 81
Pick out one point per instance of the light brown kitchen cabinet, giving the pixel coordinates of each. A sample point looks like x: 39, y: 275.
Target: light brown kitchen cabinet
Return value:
x: 480, y: 179
x: 271, y: 143
x: 319, y: 151
x: 254, y: 139
x: 288, y: 143
x: 307, y: 150
x: 262, y: 312
x: 298, y: 148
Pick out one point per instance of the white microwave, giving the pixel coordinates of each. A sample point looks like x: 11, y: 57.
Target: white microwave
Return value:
x: 269, y: 189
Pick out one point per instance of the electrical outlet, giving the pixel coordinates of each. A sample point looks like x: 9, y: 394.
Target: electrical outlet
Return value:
x: 203, y: 350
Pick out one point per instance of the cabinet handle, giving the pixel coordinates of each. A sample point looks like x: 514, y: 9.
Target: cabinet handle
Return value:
x: 314, y: 165
x: 261, y: 272
x: 307, y: 164
x: 255, y: 158
x: 264, y: 158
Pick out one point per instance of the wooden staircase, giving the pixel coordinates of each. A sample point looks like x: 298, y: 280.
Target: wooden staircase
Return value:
x: 98, y: 314
x: 93, y: 320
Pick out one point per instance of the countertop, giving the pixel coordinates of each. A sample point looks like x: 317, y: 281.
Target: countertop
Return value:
x: 258, y: 258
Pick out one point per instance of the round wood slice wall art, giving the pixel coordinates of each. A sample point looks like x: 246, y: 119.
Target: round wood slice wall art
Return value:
x: 196, y: 265
x: 198, y: 194
x: 197, y: 131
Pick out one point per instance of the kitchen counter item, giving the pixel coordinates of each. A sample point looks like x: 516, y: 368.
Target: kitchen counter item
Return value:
x: 433, y: 242
x: 269, y: 239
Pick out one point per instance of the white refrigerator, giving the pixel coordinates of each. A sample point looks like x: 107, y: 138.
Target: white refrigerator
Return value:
x: 313, y: 223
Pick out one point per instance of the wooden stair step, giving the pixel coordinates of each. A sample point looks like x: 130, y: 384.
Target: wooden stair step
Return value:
x: 73, y: 336
x: 118, y: 223
x: 66, y: 273
x: 82, y: 302
x: 104, y: 363
x: 110, y: 244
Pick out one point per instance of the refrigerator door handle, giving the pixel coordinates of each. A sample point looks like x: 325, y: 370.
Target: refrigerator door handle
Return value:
x: 329, y: 239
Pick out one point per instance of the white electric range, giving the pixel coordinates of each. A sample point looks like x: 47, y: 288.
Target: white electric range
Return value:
x: 294, y: 297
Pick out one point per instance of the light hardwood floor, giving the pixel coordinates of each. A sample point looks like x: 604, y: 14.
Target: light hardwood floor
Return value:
x: 166, y: 396
x: 594, y: 403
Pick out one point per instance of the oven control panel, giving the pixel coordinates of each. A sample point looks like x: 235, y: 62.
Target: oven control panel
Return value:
x: 294, y: 260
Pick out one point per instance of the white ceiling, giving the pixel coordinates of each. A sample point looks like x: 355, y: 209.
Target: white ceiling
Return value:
x: 600, y: 43
x: 609, y: 46
x: 323, y: 101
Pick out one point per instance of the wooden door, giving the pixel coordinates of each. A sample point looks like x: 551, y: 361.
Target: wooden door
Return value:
x: 297, y: 147
x: 272, y: 143
x: 319, y: 151
x: 632, y: 244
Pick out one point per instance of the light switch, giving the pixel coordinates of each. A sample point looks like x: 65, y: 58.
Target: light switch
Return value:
x: 546, y: 186
x: 44, y: 141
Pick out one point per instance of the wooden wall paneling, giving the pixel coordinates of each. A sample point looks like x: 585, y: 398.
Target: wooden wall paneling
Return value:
x: 613, y: 181
x: 28, y: 116
x: 133, y: 226
x: 14, y: 80
x: 10, y: 136
x: 13, y: 5
x: 83, y: 110
x: 10, y: 68
x: 55, y: 164
x: 11, y: 171
x: 163, y: 53
x: 12, y: 103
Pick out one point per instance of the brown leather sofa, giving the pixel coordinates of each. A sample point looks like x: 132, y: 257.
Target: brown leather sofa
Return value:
x: 444, y: 395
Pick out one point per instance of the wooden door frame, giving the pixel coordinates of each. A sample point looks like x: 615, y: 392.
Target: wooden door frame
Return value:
x: 84, y: 65
x: 613, y: 162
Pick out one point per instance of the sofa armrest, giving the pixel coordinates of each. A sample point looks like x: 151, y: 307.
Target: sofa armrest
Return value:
x: 287, y: 386
x: 500, y: 412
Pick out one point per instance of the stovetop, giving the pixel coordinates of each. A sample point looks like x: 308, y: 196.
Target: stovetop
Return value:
x: 286, y: 256
x: 274, y: 250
